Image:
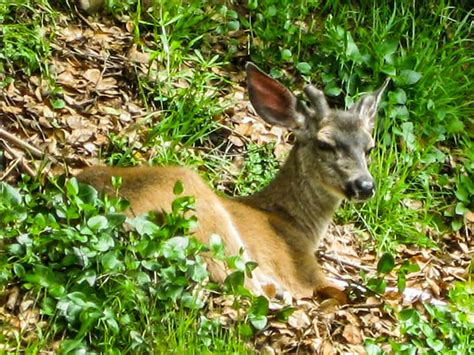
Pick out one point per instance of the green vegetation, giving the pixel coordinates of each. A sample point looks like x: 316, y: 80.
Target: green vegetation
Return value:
x: 111, y: 288
x: 93, y: 279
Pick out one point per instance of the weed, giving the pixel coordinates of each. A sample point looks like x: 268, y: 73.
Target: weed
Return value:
x: 106, y: 287
x: 259, y: 169
x: 23, y: 44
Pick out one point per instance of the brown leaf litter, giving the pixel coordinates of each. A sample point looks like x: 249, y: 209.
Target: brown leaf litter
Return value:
x: 92, y: 63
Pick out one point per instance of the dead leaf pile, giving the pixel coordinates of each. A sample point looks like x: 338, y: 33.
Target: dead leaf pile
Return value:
x: 68, y: 125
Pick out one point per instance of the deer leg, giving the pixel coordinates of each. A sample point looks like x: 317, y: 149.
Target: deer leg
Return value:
x: 316, y: 278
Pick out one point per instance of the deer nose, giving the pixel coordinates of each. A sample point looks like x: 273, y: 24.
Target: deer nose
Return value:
x: 364, y: 187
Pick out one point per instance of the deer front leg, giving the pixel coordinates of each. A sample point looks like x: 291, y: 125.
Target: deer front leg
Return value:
x: 315, y: 277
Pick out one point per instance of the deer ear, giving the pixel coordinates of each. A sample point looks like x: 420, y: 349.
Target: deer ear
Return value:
x: 366, y: 107
x: 273, y: 101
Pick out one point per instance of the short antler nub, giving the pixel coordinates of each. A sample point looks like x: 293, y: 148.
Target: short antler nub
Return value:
x: 318, y: 101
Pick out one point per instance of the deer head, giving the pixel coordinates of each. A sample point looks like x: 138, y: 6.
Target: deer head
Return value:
x: 331, y: 145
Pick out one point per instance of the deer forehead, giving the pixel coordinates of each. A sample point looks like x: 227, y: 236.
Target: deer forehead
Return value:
x: 344, y: 128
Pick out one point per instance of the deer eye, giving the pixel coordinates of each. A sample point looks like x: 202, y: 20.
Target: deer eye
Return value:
x: 323, y: 145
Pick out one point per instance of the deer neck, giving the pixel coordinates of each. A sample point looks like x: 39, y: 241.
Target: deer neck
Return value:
x: 296, y: 198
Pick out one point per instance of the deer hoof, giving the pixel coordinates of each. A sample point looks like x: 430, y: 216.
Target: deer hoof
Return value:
x: 332, y: 294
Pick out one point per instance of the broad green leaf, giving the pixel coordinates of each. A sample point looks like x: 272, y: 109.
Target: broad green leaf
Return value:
x: 9, y: 194
x: 398, y: 97
x: 105, y: 243
x: 233, y: 25
x: 283, y: 314
x: 97, y: 223
x: 111, y: 261
x: 234, y: 280
x: 178, y: 187
x: 72, y: 187
x: 58, y: 104
x: 217, y: 246
x: 286, y: 54
x: 388, y: 47
x: 143, y: 226
x: 304, y: 67
x: 258, y: 321
x: 455, y: 125
x: 408, y: 77
x: 259, y: 306
x: 435, y: 344
x: 386, y: 263
x: 332, y: 90
x: 175, y: 248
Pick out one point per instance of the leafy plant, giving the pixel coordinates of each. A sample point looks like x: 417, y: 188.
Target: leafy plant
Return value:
x: 23, y: 44
x: 259, y: 169
x: 100, y: 282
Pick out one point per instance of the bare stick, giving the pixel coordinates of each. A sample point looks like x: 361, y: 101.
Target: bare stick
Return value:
x: 22, y: 144
x: 24, y: 165
x: 364, y: 305
x: 344, y: 262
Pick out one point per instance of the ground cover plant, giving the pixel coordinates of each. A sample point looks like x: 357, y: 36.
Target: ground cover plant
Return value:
x: 161, y: 82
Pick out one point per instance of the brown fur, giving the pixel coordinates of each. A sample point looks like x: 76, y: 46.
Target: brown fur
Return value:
x: 280, y: 226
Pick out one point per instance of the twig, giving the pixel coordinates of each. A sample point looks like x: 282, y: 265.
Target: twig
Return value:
x: 94, y: 28
x: 24, y: 165
x: 11, y: 166
x: 342, y: 261
x: 364, y: 305
x: 22, y: 144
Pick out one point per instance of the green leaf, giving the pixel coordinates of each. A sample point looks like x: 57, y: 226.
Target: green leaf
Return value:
x: 397, y: 97
x: 456, y: 224
x: 408, y: 77
x: 110, y: 261
x: 233, y: 25
x: 97, y: 223
x: 104, y: 243
x: 249, y: 267
x: 386, y: 263
x: 283, y: 314
x: 234, y: 280
x: 58, y: 104
x: 435, y: 344
x: 217, y: 246
x: 245, y: 330
x: 461, y: 209
x: 304, y: 67
x: 259, y: 306
x: 9, y: 194
x: 175, y: 248
x: 199, y: 272
x: 252, y: 4
x: 455, y: 125
x: 88, y: 194
x: 332, y: 90
x: 19, y: 270
x: 143, y: 226
x: 258, y: 321
x: 72, y: 187
x: 286, y: 54
x: 388, y: 47
x: 178, y: 187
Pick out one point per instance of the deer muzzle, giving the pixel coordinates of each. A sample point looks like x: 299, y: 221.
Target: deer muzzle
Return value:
x: 361, y: 188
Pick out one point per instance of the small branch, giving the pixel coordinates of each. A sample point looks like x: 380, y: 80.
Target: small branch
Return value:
x: 24, y: 165
x: 344, y: 262
x: 35, y: 152
x: 10, y: 168
x: 21, y: 144
x: 364, y: 305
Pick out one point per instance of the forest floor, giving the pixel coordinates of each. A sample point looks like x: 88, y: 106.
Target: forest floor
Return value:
x: 94, y: 63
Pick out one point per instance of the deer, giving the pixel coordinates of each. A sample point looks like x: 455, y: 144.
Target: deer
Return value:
x: 279, y: 227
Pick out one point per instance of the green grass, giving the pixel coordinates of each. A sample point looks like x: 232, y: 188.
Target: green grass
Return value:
x: 423, y: 163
